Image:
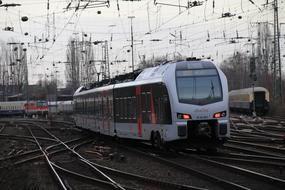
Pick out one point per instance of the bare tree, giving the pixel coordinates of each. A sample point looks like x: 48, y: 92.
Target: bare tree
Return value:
x: 80, y: 63
x: 13, y: 68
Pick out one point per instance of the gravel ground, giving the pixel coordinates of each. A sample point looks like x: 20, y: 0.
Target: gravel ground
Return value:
x: 36, y: 175
x: 227, y: 174
x: 130, y: 162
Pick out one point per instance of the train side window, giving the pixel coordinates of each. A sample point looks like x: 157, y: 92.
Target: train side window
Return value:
x: 84, y: 105
x: 134, y: 107
x: 129, y: 105
x: 121, y: 108
x: 110, y: 106
x: 131, y: 111
x: 148, y: 108
x: 106, y: 107
x: 125, y: 107
x: 91, y: 105
x: 116, y: 107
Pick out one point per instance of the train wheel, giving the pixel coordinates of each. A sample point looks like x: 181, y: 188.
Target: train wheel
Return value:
x: 212, y: 150
x: 156, y: 140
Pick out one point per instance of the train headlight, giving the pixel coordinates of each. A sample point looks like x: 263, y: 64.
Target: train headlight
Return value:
x: 183, y: 116
x: 220, y: 114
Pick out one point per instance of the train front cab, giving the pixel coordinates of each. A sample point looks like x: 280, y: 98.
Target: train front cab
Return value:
x: 200, y: 109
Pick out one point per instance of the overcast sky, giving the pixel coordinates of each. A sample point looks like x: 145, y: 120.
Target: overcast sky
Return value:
x: 178, y: 29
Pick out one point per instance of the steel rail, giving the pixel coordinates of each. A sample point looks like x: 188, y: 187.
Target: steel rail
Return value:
x: 254, y: 134
x: 20, y: 155
x: 139, y: 177
x: 247, y: 161
x: 261, y: 176
x: 82, y: 159
x: 217, y: 180
x: 265, y: 147
x: 38, y: 150
x: 249, y: 150
x: 66, y: 142
x: 259, y: 130
x: 256, y: 139
x: 2, y: 129
x: 146, y: 179
x: 42, y: 121
x: 249, y: 156
x: 22, y: 137
x: 258, y: 133
x: 58, y: 178
x: 84, y: 177
x: 40, y: 156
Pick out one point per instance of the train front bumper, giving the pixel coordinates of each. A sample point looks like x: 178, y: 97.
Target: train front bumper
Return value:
x: 214, y: 129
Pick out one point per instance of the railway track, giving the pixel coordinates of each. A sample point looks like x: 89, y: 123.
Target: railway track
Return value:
x: 117, y: 172
x: 222, y: 182
x: 65, y: 176
x: 107, y: 181
x: 68, y: 159
x: 216, y: 167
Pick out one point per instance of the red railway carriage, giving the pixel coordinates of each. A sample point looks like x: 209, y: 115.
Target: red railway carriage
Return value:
x: 39, y: 107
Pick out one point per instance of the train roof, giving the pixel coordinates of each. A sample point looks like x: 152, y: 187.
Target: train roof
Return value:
x: 148, y: 75
x: 248, y: 91
x: 159, y: 71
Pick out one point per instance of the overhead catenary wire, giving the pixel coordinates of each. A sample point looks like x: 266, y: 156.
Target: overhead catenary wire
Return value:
x: 161, y: 27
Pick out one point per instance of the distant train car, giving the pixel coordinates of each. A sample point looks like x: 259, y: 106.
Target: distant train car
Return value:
x: 61, y: 107
x: 183, y: 102
x: 242, y: 100
x: 38, y: 107
x: 12, y: 108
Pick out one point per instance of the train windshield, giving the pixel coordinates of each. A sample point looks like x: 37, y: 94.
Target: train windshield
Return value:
x: 198, y: 86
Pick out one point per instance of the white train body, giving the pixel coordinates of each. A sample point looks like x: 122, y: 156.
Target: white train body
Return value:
x: 175, y: 102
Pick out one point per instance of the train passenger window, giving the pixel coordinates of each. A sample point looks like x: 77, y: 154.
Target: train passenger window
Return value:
x: 128, y: 108
x: 147, y: 108
x: 120, y: 108
x: 133, y: 107
x: 125, y: 105
x: 116, y: 107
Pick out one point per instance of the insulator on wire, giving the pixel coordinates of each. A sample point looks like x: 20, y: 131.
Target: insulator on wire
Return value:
x: 24, y: 18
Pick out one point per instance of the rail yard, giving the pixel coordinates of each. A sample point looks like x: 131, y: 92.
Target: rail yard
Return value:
x: 54, y: 154
x: 142, y: 95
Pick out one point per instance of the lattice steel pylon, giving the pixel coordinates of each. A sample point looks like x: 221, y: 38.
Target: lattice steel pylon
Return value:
x: 105, y: 64
x: 277, y: 72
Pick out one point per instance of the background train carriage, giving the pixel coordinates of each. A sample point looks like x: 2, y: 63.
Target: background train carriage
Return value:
x: 241, y: 100
x: 12, y: 108
x: 37, y: 107
x: 60, y: 107
x: 155, y: 106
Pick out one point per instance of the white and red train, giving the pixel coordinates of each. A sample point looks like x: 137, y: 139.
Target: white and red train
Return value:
x: 183, y: 102
x: 28, y: 108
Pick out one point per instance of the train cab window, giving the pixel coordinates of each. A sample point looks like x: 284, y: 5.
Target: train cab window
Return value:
x: 199, y: 86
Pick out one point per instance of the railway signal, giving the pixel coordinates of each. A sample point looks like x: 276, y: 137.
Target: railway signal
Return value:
x: 252, y: 69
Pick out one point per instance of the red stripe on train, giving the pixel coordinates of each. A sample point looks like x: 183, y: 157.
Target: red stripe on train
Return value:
x: 153, y: 115
x: 139, y: 117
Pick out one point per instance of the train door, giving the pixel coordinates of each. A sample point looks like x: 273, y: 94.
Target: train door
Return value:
x: 259, y: 98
